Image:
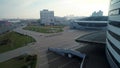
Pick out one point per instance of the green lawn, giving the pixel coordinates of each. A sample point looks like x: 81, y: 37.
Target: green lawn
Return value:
x: 20, y: 62
x: 13, y: 40
x: 45, y: 29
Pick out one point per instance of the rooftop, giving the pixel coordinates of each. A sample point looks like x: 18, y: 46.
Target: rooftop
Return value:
x: 96, y: 37
x: 91, y: 21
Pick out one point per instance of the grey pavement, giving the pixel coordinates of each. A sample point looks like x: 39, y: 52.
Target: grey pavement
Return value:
x: 14, y: 53
x: 64, y: 39
x: 95, y: 37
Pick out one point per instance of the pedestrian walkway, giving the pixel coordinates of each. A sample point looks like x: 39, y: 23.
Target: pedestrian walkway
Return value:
x: 17, y: 52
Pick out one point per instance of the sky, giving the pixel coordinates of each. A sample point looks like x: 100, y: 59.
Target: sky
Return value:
x: 32, y: 8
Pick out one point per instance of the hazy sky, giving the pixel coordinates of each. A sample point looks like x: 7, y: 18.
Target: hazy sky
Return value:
x: 31, y: 8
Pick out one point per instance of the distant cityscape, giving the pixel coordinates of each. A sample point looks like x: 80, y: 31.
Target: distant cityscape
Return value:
x: 47, y: 18
x: 98, y: 44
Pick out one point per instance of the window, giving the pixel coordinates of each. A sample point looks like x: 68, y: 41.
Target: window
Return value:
x: 114, y: 47
x: 115, y: 23
x: 114, y: 35
x: 117, y: 63
x: 114, y: 12
x: 114, y: 1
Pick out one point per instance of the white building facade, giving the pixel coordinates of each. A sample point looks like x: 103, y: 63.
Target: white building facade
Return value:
x: 47, y: 17
x: 113, y: 35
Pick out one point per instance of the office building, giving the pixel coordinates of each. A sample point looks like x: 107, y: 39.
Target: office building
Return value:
x: 47, y: 17
x: 4, y: 26
x: 99, y: 13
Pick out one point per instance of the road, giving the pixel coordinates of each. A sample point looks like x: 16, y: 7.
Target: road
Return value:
x: 46, y: 59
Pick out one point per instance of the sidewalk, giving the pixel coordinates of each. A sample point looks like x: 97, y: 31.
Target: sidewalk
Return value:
x: 17, y: 52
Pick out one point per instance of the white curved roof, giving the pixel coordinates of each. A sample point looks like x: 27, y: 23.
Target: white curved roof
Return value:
x: 91, y: 21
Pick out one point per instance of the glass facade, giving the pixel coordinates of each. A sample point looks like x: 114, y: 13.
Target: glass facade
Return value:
x: 114, y: 1
x: 113, y: 36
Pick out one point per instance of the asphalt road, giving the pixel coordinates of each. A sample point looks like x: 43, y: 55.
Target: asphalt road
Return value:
x: 47, y: 59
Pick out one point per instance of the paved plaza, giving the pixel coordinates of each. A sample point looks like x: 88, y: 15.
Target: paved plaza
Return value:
x: 47, y: 59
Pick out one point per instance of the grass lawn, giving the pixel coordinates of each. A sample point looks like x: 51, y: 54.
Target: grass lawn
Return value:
x: 45, y: 29
x: 20, y: 62
x: 13, y: 40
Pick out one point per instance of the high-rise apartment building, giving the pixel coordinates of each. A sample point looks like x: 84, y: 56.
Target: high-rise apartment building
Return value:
x: 47, y: 17
x: 113, y: 35
x: 99, y: 13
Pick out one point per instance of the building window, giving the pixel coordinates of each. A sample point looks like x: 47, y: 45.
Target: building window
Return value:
x: 114, y: 35
x: 116, y: 62
x: 114, y: 47
x: 114, y: 1
x: 114, y: 12
x: 115, y: 23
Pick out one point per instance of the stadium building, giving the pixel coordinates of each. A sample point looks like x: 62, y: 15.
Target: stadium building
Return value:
x: 113, y: 35
x: 88, y: 24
